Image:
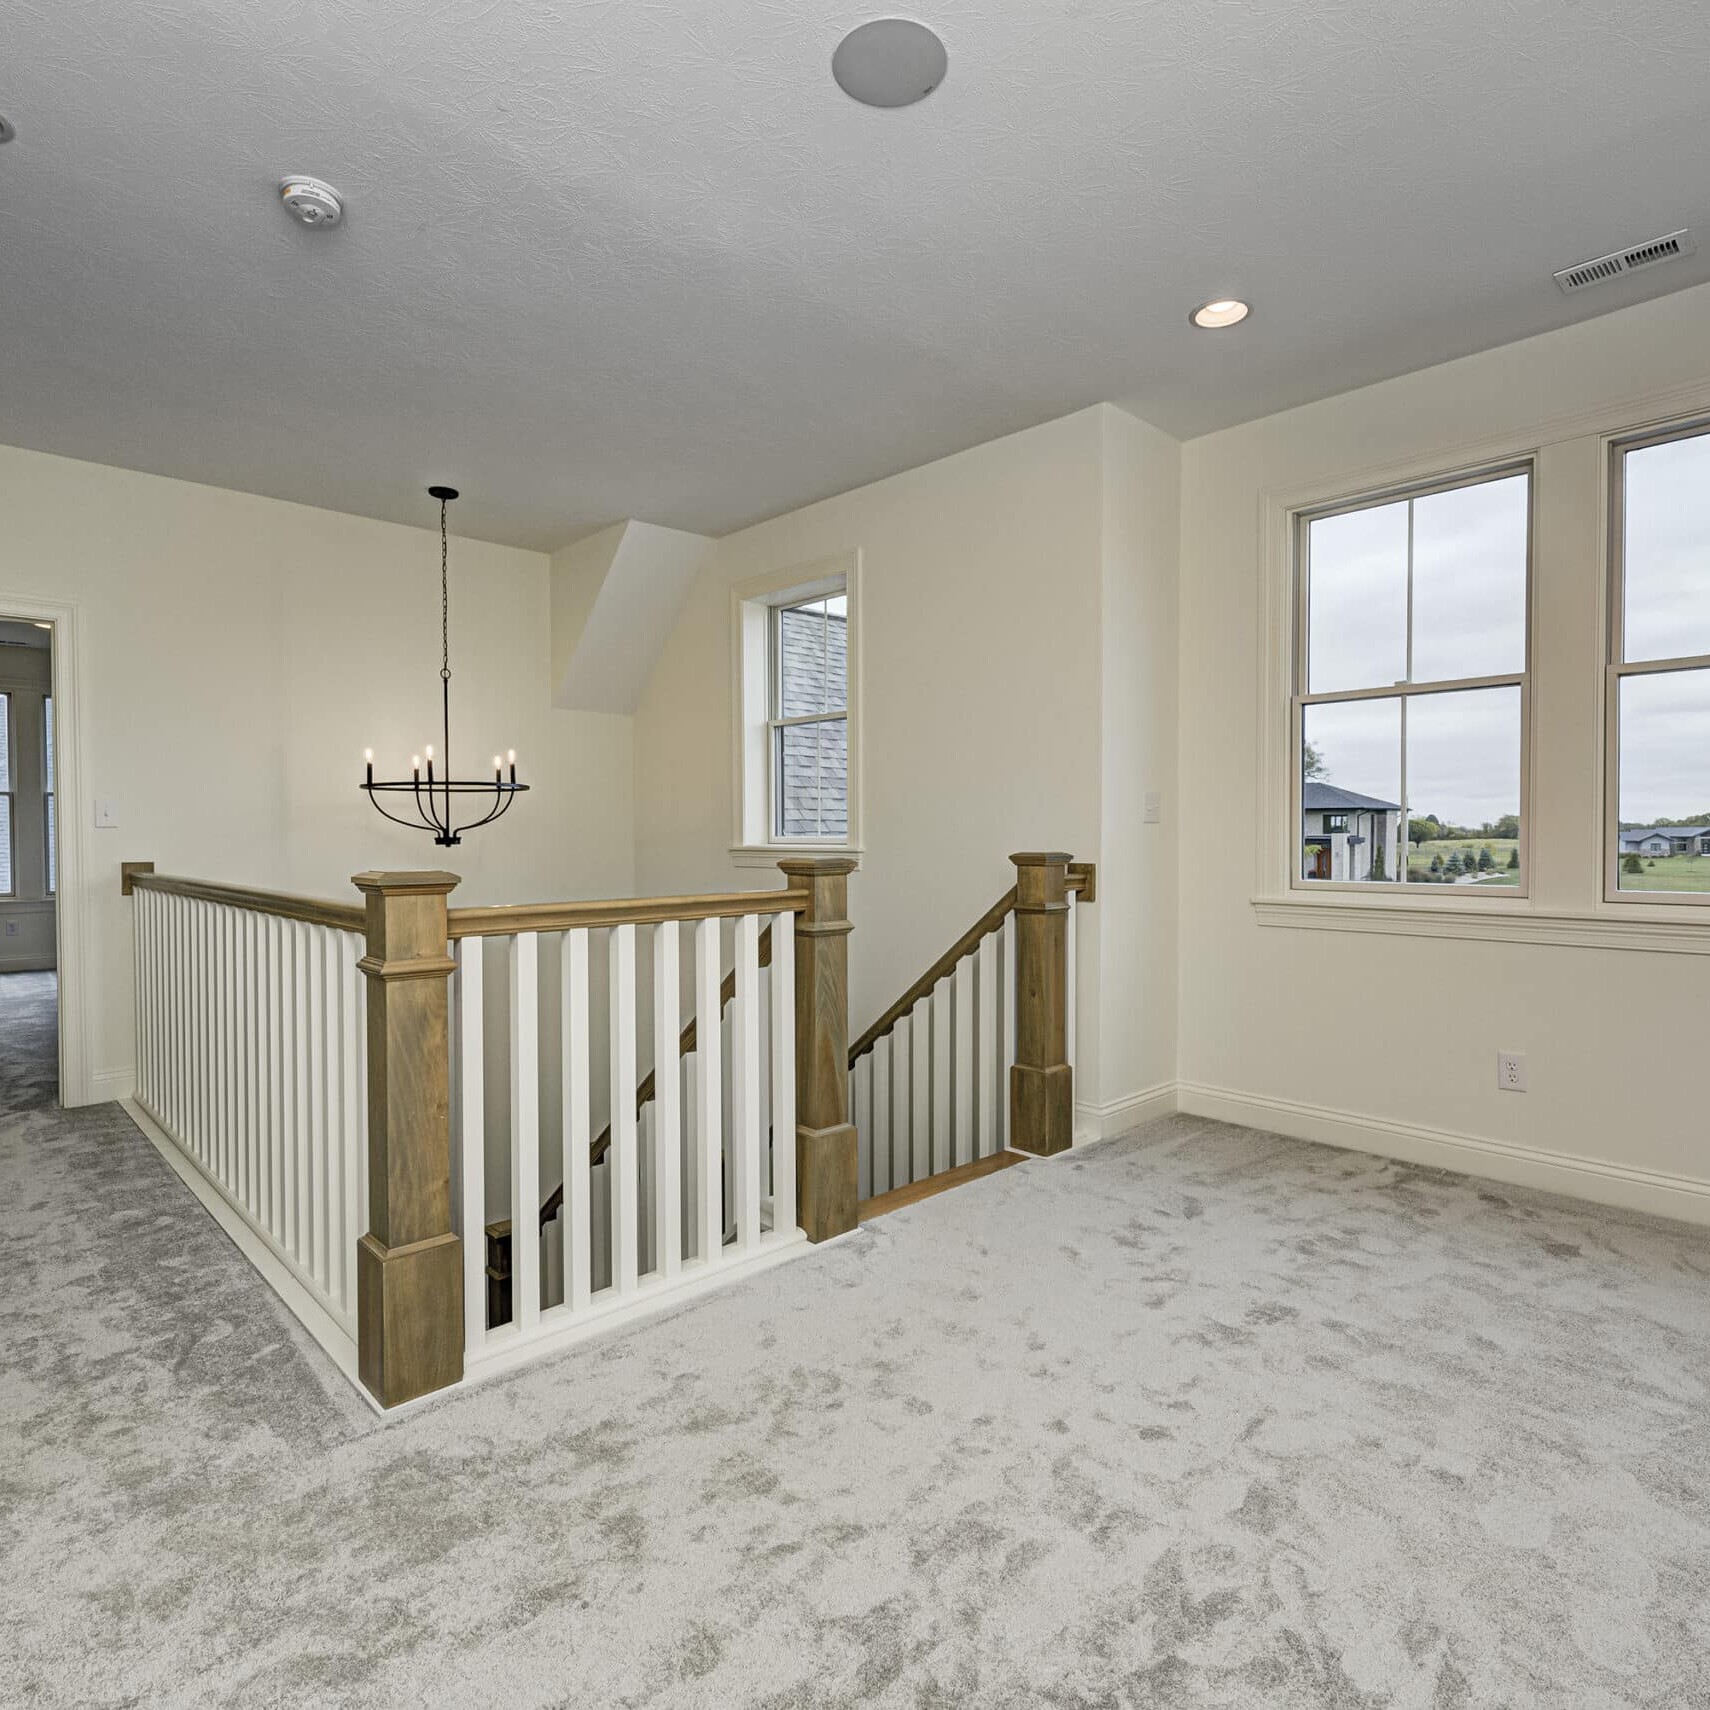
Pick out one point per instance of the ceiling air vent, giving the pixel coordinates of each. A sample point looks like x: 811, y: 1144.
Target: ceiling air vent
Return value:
x: 1586, y: 273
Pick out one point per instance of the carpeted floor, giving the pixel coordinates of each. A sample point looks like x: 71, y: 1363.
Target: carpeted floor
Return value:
x: 1199, y: 1418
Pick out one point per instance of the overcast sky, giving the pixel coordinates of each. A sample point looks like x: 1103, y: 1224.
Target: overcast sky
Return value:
x: 1469, y: 620
x: 1665, y: 720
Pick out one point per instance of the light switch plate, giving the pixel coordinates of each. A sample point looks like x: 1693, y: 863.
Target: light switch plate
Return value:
x: 106, y: 813
x: 1154, y: 807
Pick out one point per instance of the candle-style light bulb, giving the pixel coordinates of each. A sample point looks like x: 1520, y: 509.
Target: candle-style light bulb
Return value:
x: 513, y: 765
x: 416, y: 764
x: 513, y: 757
x: 368, y: 761
x: 429, y: 752
x: 496, y: 766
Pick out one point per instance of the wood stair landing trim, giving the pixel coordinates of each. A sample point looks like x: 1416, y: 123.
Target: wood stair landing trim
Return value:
x: 927, y: 1186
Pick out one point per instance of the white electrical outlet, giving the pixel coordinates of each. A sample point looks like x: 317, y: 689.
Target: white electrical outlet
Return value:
x: 1510, y: 1071
x: 11, y: 929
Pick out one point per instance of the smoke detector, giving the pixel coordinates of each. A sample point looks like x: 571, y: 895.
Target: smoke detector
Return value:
x: 1595, y: 272
x: 310, y: 202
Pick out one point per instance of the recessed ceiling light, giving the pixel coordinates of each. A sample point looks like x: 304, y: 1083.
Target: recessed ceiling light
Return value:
x: 890, y: 62
x: 7, y: 129
x: 1225, y: 312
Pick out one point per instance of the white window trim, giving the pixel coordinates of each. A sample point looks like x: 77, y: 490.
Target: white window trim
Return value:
x: 1275, y: 903
x: 751, y: 605
x: 1615, y: 448
x: 1398, y: 892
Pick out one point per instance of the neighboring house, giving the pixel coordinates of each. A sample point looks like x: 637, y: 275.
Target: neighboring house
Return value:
x: 1667, y: 840
x: 1341, y: 830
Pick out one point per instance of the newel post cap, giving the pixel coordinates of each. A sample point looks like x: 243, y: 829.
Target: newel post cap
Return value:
x: 406, y: 884
x: 1042, y: 858
x: 818, y: 866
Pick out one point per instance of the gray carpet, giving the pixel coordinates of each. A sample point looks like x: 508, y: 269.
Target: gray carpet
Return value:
x: 1199, y: 1418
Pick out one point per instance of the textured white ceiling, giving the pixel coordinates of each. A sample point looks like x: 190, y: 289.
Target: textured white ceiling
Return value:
x: 612, y: 258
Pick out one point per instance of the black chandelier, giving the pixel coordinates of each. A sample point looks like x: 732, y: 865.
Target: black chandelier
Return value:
x: 432, y: 797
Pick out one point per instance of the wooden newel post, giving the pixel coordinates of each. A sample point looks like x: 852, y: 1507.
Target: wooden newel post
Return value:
x: 409, y: 1267
x: 827, y: 1150
x: 1041, y: 1083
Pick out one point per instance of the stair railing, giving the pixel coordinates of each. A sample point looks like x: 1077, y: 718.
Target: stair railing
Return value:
x: 976, y: 1059
x: 310, y: 1089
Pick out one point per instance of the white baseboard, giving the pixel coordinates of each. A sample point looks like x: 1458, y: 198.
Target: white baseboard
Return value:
x: 108, y: 1084
x: 1683, y: 1197
x: 1105, y: 1121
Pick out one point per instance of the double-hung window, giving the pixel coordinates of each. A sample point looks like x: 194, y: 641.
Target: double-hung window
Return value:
x: 8, y: 878
x: 1658, y: 837
x: 796, y: 640
x: 809, y: 719
x: 1410, y: 686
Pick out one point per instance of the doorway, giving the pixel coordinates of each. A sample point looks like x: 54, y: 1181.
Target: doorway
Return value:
x: 29, y: 868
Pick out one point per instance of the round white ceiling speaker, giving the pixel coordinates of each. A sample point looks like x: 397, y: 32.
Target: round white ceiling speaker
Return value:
x: 310, y: 202
x: 7, y: 129
x: 890, y: 62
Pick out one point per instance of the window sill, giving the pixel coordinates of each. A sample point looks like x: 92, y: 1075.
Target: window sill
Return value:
x: 770, y: 854
x: 1502, y: 922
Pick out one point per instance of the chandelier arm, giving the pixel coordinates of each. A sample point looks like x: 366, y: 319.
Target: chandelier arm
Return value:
x: 430, y: 817
x: 407, y: 824
x: 503, y: 801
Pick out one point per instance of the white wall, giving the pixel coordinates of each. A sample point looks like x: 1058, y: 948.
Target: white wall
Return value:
x: 980, y: 603
x: 1005, y: 593
x: 236, y: 656
x: 1135, y: 1065
x: 1390, y: 1042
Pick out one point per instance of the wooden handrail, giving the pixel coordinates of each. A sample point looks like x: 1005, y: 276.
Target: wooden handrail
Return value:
x: 988, y: 922
x: 1083, y: 878
x: 506, y: 918
x: 317, y: 911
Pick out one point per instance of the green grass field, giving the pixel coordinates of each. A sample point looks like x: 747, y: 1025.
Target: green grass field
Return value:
x: 1419, y: 856
x: 1669, y: 873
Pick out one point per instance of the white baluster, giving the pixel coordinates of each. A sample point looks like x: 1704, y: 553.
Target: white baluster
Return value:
x: 1006, y: 989
x: 667, y: 1112
x: 861, y: 1114
x: 745, y: 1064
x: 902, y: 1092
x: 920, y: 1078
x: 621, y: 976
x: 986, y: 1047
x: 964, y: 977
x: 783, y: 1072
x: 575, y: 1221
x: 942, y: 1038
x: 315, y: 1198
x: 472, y: 1137
x: 880, y: 1115
x: 525, y: 1130
x: 709, y: 1096
x: 350, y: 1131
x: 1069, y: 937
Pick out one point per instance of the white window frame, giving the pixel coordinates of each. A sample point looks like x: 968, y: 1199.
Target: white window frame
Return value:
x: 754, y: 627
x: 1614, y: 668
x: 50, y: 842
x: 1399, y: 891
